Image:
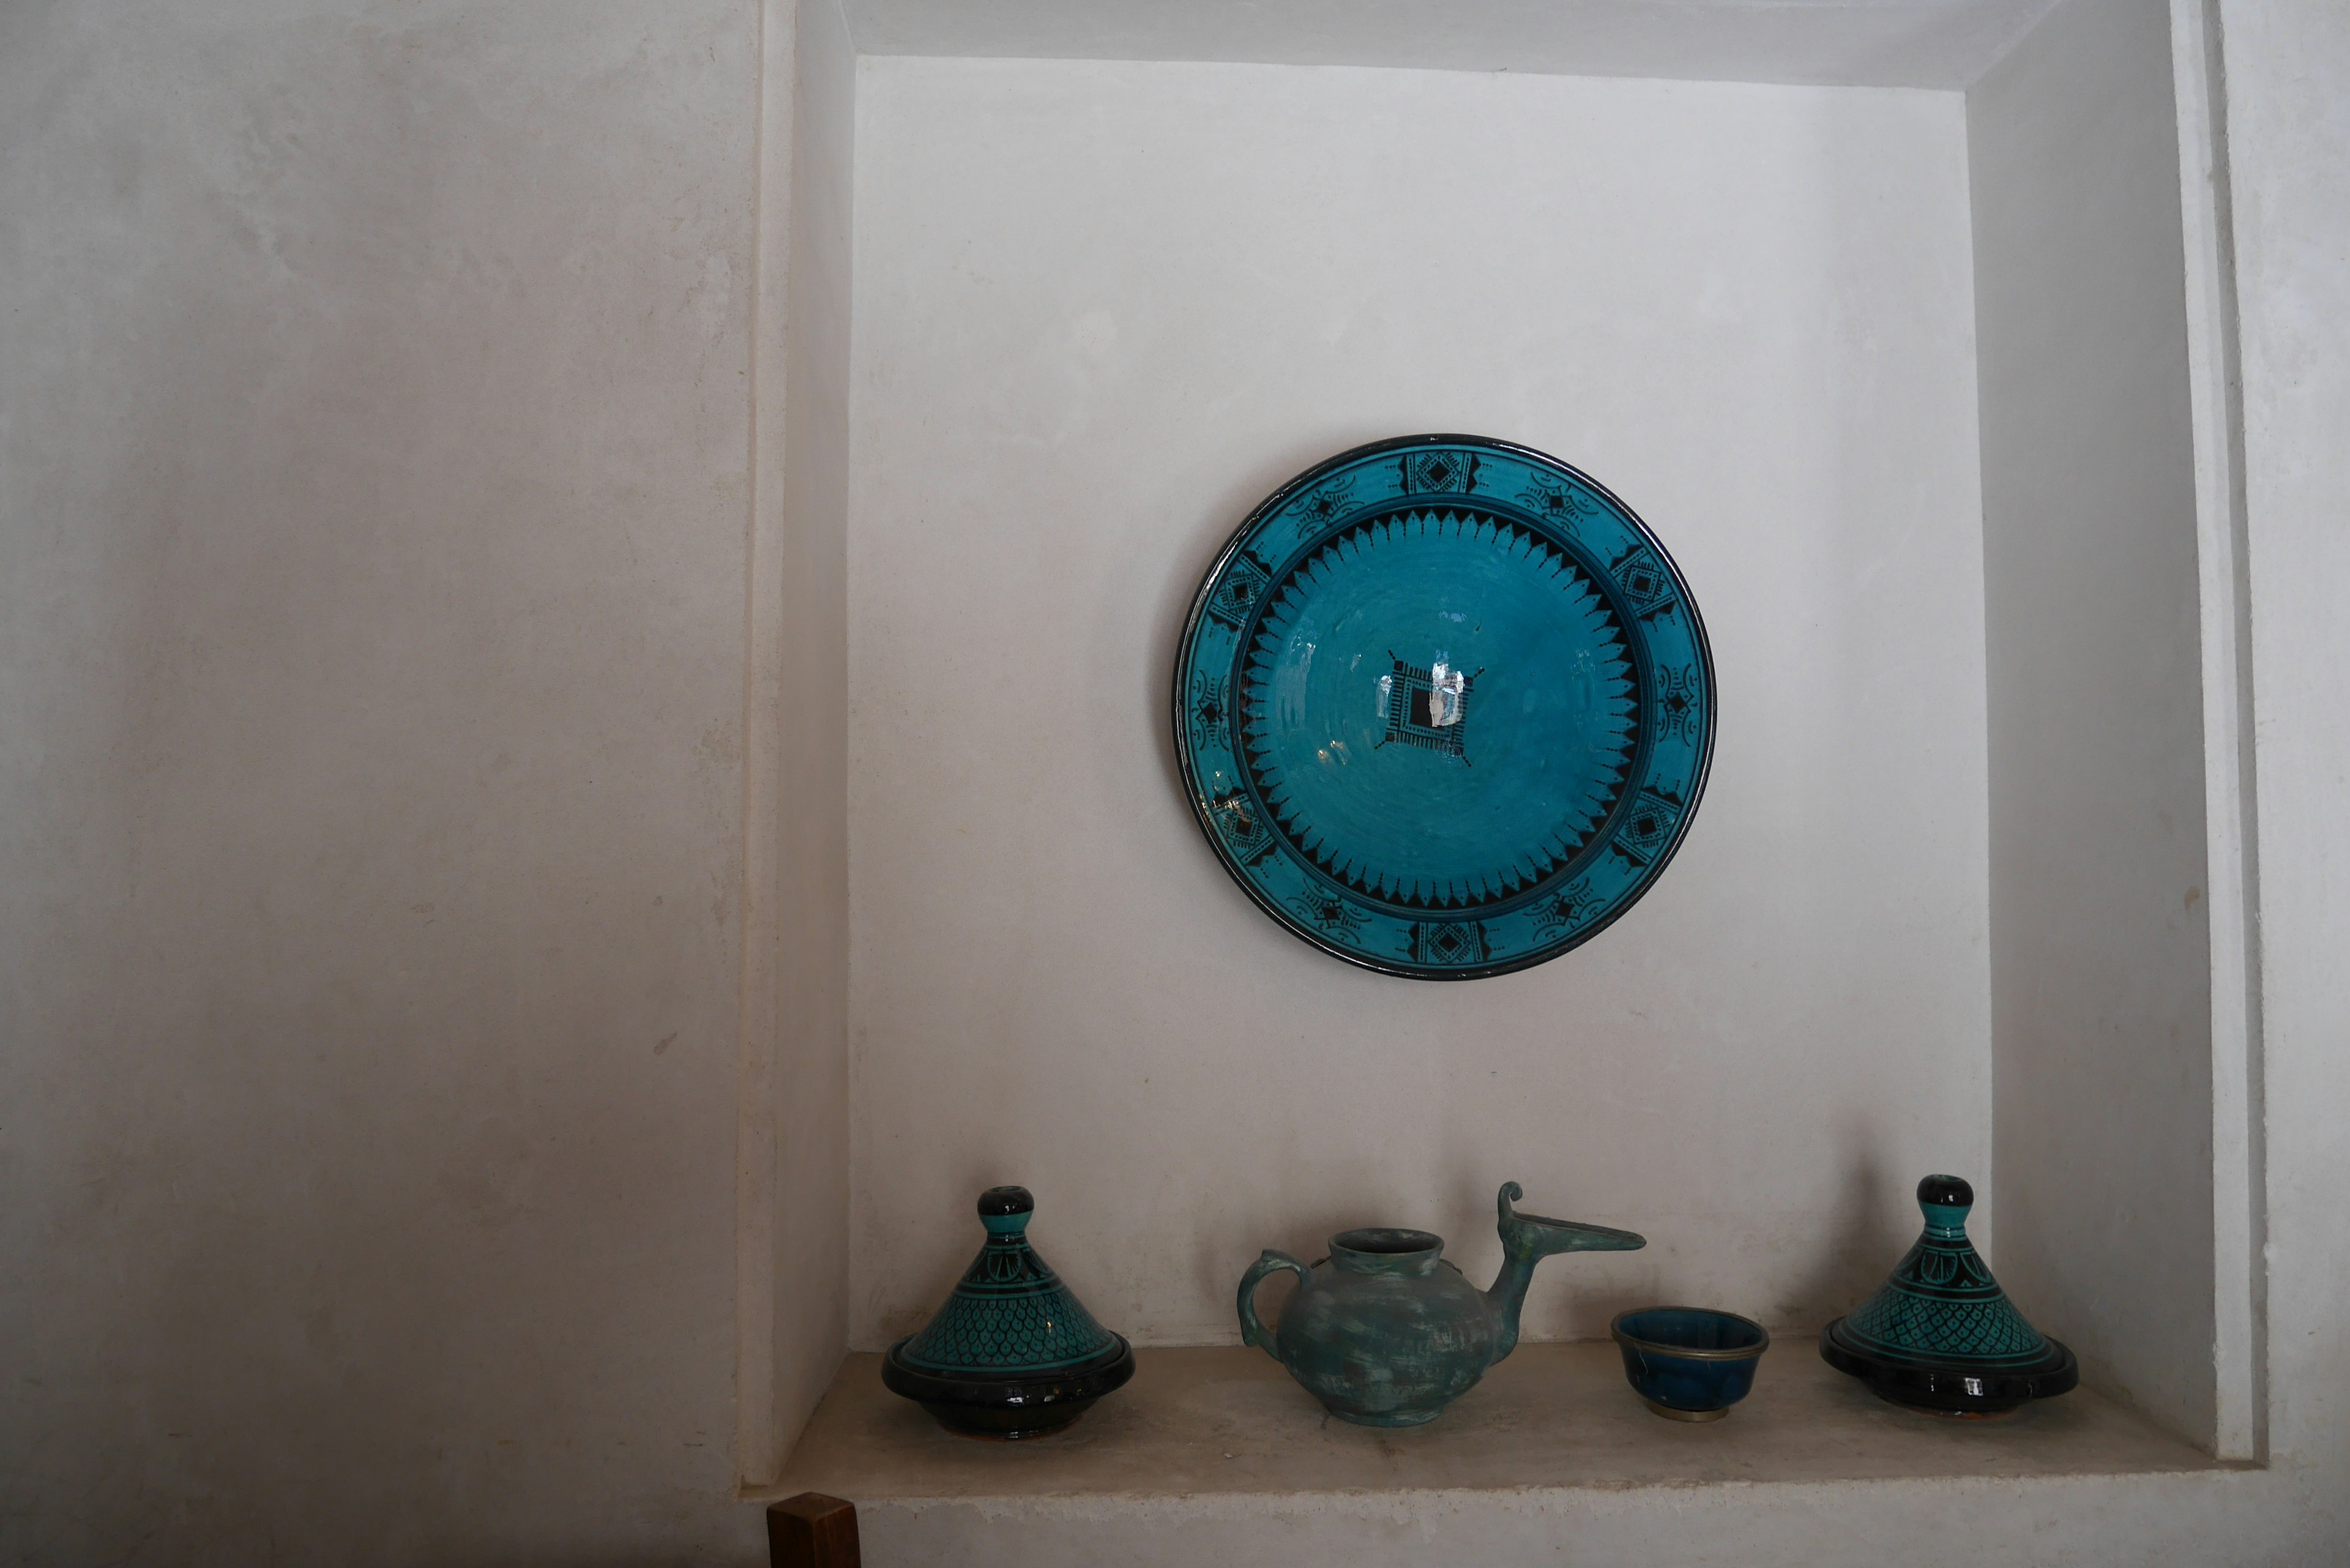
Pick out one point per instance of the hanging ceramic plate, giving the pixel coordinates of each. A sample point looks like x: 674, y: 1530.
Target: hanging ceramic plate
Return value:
x: 1444, y: 706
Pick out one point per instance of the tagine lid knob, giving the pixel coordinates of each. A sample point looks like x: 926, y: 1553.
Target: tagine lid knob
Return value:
x: 1933, y: 1192
x: 1004, y: 1210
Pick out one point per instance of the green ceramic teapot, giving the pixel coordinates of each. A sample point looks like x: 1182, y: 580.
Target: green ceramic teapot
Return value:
x: 1386, y: 1333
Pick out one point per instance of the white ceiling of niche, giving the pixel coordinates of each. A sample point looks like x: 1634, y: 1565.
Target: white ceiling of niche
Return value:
x: 1882, y: 43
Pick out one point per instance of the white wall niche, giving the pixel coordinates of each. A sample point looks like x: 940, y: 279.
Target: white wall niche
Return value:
x: 1823, y: 329
x: 1081, y: 358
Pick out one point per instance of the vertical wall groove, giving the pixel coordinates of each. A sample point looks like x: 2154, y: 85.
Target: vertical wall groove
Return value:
x: 804, y: 439
x: 2240, y: 1308
x: 2103, y: 867
x: 758, y: 1448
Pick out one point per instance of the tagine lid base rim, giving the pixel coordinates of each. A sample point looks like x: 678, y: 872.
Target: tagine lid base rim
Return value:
x: 1952, y: 1386
x: 1088, y: 1381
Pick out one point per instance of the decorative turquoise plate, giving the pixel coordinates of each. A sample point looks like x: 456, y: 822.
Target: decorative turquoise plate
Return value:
x: 1444, y: 707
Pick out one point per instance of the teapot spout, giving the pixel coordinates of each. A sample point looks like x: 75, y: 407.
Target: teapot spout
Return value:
x: 1527, y: 1239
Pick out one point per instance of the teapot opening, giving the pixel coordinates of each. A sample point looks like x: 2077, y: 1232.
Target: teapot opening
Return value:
x: 1384, y: 1251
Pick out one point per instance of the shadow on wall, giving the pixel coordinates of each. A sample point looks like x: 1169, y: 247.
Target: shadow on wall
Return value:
x: 1860, y: 1241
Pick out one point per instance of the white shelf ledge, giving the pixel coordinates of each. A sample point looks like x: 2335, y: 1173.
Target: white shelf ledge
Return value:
x: 1221, y: 1435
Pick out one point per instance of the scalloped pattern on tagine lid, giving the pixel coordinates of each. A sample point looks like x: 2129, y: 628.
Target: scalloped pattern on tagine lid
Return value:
x: 1009, y: 1313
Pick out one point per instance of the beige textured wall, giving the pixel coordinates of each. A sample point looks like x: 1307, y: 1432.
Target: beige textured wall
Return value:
x: 373, y: 451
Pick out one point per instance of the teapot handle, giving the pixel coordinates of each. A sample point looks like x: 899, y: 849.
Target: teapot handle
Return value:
x: 1252, y: 1330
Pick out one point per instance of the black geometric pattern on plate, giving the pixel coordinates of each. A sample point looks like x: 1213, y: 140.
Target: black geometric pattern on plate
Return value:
x: 1325, y: 507
x: 1420, y: 715
x: 1677, y: 698
x: 1648, y: 824
x: 1451, y: 942
x: 1330, y: 913
x: 1209, y: 711
x: 1556, y: 504
x: 1237, y: 597
x: 1565, y: 909
x: 1242, y: 824
x: 1437, y: 472
x: 1644, y: 580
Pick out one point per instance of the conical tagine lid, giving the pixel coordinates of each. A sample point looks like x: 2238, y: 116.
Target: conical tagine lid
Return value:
x: 1940, y: 1335
x: 1013, y: 1354
x: 1009, y: 1313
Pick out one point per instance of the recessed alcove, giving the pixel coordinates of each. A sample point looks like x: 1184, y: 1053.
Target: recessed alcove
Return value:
x: 1894, y: 322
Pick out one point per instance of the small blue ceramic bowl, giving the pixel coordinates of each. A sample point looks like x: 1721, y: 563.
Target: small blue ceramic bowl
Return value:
x: 1688, y: 1363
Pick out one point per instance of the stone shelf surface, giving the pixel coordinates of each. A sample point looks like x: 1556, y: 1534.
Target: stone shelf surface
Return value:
x: 1198, y: 1423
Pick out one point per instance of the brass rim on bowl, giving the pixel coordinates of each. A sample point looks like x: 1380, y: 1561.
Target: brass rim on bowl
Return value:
x: 1616, y: 1331
x: 1673, y: 1413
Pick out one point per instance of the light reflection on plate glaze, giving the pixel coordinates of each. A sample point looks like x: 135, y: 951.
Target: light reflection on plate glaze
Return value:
x: 1444, y: 707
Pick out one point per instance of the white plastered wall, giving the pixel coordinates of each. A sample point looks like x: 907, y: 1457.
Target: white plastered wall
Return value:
x: 1103, y: 309
x: 2100, y: 945
x: 2287, y: 68
x: 793, y: 1154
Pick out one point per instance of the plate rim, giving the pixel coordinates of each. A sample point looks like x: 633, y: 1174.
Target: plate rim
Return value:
x: 1176, y: 690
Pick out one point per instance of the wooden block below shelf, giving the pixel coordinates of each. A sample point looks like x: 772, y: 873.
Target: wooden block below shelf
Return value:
x: 812, y: 1530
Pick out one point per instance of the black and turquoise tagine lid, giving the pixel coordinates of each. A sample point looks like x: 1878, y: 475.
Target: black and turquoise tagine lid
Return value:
x: 1013, y: 1354
x: 1940, y: 1335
